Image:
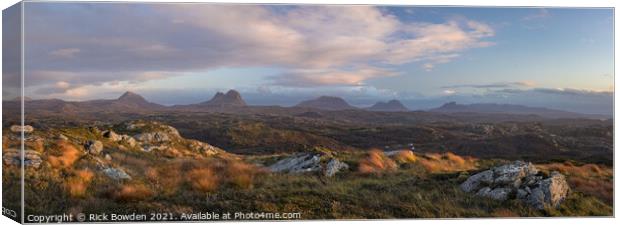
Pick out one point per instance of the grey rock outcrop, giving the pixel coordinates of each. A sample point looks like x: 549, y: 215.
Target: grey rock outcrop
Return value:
x: 298, y: 163
x: 153, y: 137
x: 519, y: 180
x: 309, y: 162
x: 12, y: 157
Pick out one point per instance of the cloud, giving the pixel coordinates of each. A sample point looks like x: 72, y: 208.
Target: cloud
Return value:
x: 494, y: 85
x: 314, y: 45
x: 321, y: 77
x: 540, y: 13
x: 573, y: 92
x: 65, y: 52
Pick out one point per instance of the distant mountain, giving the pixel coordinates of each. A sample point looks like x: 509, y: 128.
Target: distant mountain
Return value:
x: 453, y: 107
x: 391, y: 106
x: 326, y: 103
x: 128, y: 102
x: 231, y: 98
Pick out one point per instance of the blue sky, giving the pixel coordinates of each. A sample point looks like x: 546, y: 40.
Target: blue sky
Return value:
x: 423, y: 56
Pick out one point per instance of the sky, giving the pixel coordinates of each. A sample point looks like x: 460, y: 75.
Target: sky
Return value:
x: 281, y: 54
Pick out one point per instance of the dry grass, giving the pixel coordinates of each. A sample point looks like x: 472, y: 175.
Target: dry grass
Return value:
x: 202, y: 175
x: 376, y: 162
x: 592, y: 179
x: 241, y: 174
x: 504, y: 213
x: 77, y: 184
x: 203, y: 179
x: 133, y: 192
x: 446, y: 162
x: 69, y: 155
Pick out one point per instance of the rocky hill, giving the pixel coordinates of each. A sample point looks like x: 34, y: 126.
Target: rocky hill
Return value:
x: 390, y: 106
x: 231, y: 98
x: 326, y: 103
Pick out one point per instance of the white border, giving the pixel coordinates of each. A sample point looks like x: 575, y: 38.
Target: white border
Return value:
x: 555, y: 3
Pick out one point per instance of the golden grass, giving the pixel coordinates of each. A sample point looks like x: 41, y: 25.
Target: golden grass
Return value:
x: 202, y: 175
x: 203, y: 179
x: 69, y: 155
x: 376, y: 162
x: 446, y: 162
x: 133, y: 192
x: 592, y: 179
x: 241, y: 174
x: 77, y: 184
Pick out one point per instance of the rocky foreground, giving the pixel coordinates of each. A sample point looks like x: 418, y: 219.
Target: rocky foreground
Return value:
x: 110, y: 150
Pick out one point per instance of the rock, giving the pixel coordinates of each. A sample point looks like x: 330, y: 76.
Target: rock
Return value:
x: 116, y: 173
x: 334, y: 166
x: 129, y: 140
x: 18, y: 129
x: 500, y: 194
x: 111, y: 135
x: 202, y: 147
x: 12, y: 157
x: 474, y: 182
x: 549, y: 192
x: 93, y: 147
x: 524, y: 180
x: 108, y: 157
x: 153, y: 137
x: 150, y: 148
x: 512, y: 174
x: 62, y: 137
x: 299, y: 163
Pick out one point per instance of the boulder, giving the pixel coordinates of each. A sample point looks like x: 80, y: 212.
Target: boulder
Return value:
x: 62, y: 137
x: 549, y: 192
x: 334, y: 166
x: 109, y: 134
x: 18, y: 129
x: 93, y: 147
x: 519, y: 180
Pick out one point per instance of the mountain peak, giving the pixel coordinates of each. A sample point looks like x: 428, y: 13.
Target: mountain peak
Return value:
x: 131, y: 97
x: 231, y: 98
x: 391, y: 106
x: 326, y: 103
